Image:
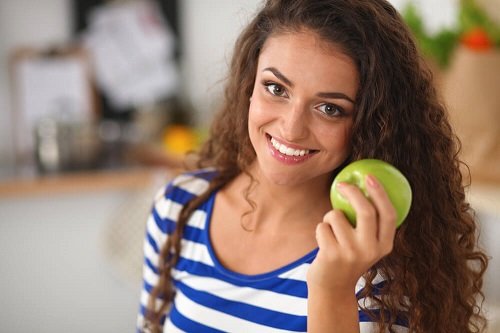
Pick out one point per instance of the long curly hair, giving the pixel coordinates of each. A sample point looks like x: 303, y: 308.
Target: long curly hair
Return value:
x: 434, y: 274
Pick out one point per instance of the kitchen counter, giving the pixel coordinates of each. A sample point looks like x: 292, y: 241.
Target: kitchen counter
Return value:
x: 483, y: 197
x: 74, y: 238
x: 82, y: 181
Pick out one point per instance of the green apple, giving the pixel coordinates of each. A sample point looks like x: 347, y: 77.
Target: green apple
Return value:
x: 393, y: 181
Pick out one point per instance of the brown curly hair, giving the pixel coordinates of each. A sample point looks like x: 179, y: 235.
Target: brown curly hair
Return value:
x: 434, y: 275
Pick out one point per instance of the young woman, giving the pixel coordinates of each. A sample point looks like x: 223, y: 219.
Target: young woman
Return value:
x: 249, y: 241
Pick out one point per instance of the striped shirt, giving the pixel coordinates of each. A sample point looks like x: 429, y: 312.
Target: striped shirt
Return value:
x: 209, y: 297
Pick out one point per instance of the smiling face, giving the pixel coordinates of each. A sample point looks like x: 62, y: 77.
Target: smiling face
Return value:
x: 302, y: 108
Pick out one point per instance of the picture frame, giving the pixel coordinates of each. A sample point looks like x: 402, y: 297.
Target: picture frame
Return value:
x: 48, y: 83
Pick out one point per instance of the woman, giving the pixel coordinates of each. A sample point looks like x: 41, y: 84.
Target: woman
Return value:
x: 249, y: 243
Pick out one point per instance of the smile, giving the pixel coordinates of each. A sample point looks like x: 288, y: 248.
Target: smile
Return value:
x: 287, y: 150
x: 288, y: 155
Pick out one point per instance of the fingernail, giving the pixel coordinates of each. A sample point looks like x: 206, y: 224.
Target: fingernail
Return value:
x: 371, y: 181
x: 341, y: 187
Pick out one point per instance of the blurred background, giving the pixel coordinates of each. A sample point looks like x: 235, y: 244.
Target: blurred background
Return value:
x: 99, y: 100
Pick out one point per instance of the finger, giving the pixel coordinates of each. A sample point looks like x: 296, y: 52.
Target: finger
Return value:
x: 340, y: 226
x: 325, y: 237
x: 386, y: 211
x: 366, y: 214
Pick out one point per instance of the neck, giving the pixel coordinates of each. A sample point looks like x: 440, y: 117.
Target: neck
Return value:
x: 277, y: 205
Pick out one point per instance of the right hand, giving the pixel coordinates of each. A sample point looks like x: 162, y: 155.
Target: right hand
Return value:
x: 346, y: 253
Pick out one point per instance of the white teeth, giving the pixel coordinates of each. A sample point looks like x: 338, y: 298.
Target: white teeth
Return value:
x: 287, y: 150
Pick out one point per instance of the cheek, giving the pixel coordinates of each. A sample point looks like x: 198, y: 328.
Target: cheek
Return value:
x: 338, y: 139
x: 252, y: 115
x: 254, y: 121
x: 345, y: 139
x: 258, y: 113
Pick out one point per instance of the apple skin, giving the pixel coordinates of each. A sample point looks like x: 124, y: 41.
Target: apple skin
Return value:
x: 393, y: 181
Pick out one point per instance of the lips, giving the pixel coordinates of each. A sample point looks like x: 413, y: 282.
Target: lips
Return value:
x: 288, y: 154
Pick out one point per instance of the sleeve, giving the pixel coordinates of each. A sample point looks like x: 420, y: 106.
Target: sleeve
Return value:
x: 158, y: 228
x: 372, y: 327
x: 366, y: 323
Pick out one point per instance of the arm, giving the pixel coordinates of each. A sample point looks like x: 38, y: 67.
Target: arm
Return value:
x: 155, y: 238
x: 325, y: 314
x: 345, y: 253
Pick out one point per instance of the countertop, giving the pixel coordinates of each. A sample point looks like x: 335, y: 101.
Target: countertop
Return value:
x: 81, y: 181
x: 483, y: 197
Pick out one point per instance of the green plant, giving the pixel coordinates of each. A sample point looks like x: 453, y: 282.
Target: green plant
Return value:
x: 475, y: 29
x: 440, y: 46
x: 472, y: 16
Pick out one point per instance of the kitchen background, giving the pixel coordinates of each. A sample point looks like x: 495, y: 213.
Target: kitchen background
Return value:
x: 98, y: 101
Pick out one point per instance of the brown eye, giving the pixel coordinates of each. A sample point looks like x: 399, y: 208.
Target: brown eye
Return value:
x: 330, y: 110
x: 276, y: 89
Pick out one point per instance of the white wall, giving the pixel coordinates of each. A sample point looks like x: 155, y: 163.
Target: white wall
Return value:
x: 209, y: 29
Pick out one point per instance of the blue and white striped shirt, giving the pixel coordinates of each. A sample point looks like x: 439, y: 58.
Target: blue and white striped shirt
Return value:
x: 209, y: 297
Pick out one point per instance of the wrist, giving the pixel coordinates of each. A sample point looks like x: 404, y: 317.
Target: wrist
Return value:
x: 333, y: 293
x: 326, y: 286
x: 332, y: 310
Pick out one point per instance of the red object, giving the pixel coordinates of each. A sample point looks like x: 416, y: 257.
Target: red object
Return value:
x: 477, y: 39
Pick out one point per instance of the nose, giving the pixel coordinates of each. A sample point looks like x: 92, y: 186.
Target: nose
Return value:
x: 294, y: 123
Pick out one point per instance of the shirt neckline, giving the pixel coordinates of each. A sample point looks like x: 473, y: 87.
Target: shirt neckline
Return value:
x: 240, y: 276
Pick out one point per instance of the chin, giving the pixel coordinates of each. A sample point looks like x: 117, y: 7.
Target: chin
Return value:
x: 294, y: 178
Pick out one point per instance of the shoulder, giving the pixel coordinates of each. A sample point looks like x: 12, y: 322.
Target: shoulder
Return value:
x: 172, y: 197
x: 186, y: 186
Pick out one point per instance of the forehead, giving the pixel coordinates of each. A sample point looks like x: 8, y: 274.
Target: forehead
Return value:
x: 304, y: 35
x: 303, y: 40
x: 304, y: 55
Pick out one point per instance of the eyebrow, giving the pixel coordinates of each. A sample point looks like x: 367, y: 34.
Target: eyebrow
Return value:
x: 279, y: 75
x: 331, y: 95
x: 335, y: 95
